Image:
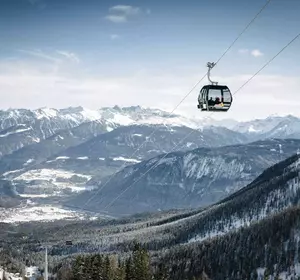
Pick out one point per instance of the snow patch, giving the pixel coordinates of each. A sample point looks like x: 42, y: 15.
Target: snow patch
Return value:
x: 28, y: 161
x: 83, y: 158
x: 47, y: 113
x: 16, y: 131
x: 126, y: 159
x: 189, y: 144
x: 36, y: 139
x: 90, y: 114
x: 62, y: 157
x: 252, y: 129
x: 34, y: 195
x: 48, y: 175
x: 37, y: 213
x: 260, y: 272
x: 12, y: 172
x: 122, y: 119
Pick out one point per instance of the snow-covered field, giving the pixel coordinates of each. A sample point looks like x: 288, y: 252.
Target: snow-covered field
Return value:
x: 37, y: 213
x: 57, y: 180
x: 34, y: 212
x: 48, y: 174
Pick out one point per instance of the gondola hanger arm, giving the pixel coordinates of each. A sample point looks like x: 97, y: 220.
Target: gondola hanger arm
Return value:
x: 210, y: 66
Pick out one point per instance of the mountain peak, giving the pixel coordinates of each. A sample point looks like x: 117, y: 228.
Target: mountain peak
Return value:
x: 71, y: 110
x: 46, y: 112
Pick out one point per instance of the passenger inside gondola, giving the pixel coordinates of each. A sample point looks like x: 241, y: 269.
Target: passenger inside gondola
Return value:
x: 217, y: 101
x: 211, y: 102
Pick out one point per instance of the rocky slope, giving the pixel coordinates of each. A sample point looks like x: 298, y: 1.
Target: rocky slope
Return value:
x: 185, y: 179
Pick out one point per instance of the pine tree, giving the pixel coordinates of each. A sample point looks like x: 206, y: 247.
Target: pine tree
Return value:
x: 96, y: 270
x: 120, y: 272
x: 108, y: 273
x: 129, y: 269
x: 78, y: 268
x: 141, y: 264
x: 161, y: 273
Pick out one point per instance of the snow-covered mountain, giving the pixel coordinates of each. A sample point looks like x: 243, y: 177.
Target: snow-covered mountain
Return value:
x: 271, y: 127
x: 31, y: 155
x: 150, y: 116
x: 22, y: 127
x: 186, y: 179
x: 54, y: 152
x: 16, y: 137
x: 260, y: 222
x: 49, y: 119
x: 288, y: 127
x: 133, y: 144
x: 100, y: 156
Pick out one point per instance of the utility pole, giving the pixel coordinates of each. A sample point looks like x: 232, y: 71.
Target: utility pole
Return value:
x: 46, y: 263
x: 68, y: 243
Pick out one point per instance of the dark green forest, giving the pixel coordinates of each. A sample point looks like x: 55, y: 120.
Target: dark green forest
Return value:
x: 137, y: 266
x: 272, y: 243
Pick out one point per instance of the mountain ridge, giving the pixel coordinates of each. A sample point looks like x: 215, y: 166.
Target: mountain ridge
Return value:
x: 56, y: 151
x: 201, y: 175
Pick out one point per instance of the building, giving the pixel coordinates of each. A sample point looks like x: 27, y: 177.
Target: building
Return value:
x: 32, y: 272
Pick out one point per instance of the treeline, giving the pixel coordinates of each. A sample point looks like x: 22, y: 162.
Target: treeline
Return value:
x: 109, y: 267
x: 272, y: 244
x: 137, y: 266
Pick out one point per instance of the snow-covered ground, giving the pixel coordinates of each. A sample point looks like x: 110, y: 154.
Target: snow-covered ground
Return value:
x: 31, y: 211
x: 58, y: 178
x: 8, y: 275
x: 48, y: 174
x: 126, y: 159
x: 36, y: 213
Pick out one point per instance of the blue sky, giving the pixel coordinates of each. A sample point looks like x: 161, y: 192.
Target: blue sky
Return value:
x: 60, y: 53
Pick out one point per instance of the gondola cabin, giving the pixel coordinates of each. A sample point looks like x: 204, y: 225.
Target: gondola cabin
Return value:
x: 214, y: 98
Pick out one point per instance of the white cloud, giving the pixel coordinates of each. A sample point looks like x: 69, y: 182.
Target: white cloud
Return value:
x: 125, y: 10
x: 38, y: 83
x: 256, y: 53
x: 71, y: 56
x: 117, y: 18
x: 40, y: 54
x: 122, y: 13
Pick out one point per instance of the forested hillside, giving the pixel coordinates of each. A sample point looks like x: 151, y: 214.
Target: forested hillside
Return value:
x: 252, y: 232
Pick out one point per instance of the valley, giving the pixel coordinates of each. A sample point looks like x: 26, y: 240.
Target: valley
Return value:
x: 241, y: 223
x: 109, y: 182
